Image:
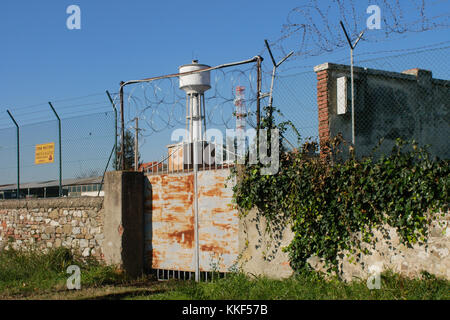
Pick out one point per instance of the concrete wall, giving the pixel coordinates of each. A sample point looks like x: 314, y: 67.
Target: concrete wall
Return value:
x: 387, y: 105
x: 124, y: 223
x: 261, y: 254
x: 75, y: 223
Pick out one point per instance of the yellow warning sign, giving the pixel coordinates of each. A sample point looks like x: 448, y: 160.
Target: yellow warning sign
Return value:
x: 45, y: 153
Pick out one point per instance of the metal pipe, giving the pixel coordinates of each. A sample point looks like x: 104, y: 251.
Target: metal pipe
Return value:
x: 122, y: 128
x: 203, y: 115
x: 136, y: 146
x: 258, y: 94
x: 226, y: 65
x: 18, y: 154
x: 270, y: 52
x: 353, y: 96
x: 197, y: 248
x: 60, y: 152
x: 115, y: 127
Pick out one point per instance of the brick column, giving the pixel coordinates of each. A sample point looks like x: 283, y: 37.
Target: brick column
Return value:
x: 323, y: 98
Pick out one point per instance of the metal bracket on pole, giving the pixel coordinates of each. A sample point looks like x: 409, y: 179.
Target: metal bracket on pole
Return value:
x: 275, y: 66
x: 18, y: 153
x: 352, y: 47
x: 60, y: 153
x: 115, y: 126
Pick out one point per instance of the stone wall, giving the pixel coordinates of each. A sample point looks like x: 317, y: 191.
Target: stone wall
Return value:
x: 261, y: 253
x: 75, y: 223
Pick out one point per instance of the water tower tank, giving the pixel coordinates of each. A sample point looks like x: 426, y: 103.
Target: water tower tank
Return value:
x: 196, y: 82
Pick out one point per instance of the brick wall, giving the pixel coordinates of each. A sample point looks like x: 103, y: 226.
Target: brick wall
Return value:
x: 75, y: 223
x: 323, y: 99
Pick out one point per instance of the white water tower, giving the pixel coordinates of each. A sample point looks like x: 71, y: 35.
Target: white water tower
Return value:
x: 195, y: 85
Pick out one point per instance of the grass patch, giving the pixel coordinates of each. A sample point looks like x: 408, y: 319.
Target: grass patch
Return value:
x: 29, y: 272
x: 36, y: 275
x: 304, y: 287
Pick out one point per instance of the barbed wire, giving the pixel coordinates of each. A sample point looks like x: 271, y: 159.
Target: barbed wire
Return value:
x: 313, y: 28
x: 160, y: 105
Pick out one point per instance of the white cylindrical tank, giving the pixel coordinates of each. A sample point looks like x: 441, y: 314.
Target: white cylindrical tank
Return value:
x: 196, y: 82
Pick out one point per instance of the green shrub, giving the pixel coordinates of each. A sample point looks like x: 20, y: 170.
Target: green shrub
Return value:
x: 329, y: 203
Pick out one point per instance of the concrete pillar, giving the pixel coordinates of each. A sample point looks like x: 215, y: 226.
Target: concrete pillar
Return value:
x: 124, y: 221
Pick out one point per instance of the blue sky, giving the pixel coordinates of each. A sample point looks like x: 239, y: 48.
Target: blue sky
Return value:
x: 41, y: 60
x: 119, y: 40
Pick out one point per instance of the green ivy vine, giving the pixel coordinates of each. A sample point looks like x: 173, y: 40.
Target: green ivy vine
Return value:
x: 327, y: 202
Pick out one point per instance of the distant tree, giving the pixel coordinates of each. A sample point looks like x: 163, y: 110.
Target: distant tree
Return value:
x: 129, y: 152
x: 92, y: 173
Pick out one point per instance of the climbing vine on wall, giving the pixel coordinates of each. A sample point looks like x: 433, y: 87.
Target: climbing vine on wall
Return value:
x: 335, y: 206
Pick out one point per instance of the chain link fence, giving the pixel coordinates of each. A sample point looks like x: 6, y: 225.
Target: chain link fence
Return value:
x: 399, y: 94
x: 87, y: 149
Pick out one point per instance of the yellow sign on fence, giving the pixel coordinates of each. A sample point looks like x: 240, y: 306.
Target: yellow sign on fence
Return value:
x: 45, y: 153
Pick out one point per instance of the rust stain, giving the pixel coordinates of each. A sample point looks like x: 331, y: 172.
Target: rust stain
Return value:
x: 120, y: 229
x: 226, y: 226
x: 214, y: 248
x: 220, y: 210
x: 183, y: 237
x: 155, y: 259
x: 213, y: 191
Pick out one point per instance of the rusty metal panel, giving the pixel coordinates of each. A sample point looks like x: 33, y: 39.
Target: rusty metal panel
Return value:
x: 169, y: 221
x: 218, y: 221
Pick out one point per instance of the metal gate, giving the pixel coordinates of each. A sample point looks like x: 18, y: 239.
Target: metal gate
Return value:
x: 171, y: 245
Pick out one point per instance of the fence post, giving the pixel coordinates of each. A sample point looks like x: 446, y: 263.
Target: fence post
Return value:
x: 115, y: 128
x: 122, y: 128
x: 18, y: 154
x: 60, y: 153
x: 352, y: 47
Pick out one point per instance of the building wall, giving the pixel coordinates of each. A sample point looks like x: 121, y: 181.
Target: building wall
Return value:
x: 75, y: 223
x: 388, y: 105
